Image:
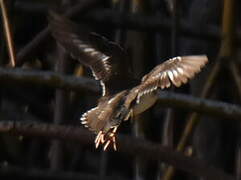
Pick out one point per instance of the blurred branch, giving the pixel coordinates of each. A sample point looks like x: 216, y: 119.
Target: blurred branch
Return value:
x: 41, y: 37
x: 113, y: 19
x: 31, y: 6
x: 139, y: 22
x: 126, y: 144
x: 8, y: 34
x: 23, y: 173
x: 55, y: 80
x: 200, y: 105
x: 48, y: 79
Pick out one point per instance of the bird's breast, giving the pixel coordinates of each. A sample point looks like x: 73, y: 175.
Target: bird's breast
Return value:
x: 146, y: 102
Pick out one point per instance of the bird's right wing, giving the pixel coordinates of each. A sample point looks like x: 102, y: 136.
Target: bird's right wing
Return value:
x: 176, y: 71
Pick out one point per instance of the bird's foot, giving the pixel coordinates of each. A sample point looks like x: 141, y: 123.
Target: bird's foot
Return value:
x: 106, y: 138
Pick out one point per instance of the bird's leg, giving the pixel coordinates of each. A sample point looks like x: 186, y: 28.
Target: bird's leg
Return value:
x: 106, y: 138
x: 99, y: 139
x: 111, y: 138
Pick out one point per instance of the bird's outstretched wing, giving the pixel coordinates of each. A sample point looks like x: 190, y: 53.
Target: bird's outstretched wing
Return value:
x: 106, y: 59
x: 176, y: 71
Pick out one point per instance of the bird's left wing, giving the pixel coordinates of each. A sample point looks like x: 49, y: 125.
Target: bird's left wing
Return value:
x: 105, y: 58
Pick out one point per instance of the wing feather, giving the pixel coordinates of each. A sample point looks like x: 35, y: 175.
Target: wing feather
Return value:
x: 165, y: 81
x: 68, y: 35
x: 106, y: 59
x: 176, y: 71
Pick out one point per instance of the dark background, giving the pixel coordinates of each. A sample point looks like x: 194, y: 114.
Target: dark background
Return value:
x: 36, y: 108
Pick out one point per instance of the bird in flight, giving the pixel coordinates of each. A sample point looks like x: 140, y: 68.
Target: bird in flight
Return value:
x: 122, y: 96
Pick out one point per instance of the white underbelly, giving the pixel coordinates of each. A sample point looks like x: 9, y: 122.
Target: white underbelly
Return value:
x: 146, y: 102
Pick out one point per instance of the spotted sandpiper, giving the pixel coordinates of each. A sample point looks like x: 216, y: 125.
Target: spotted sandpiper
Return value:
x: 122, y: 97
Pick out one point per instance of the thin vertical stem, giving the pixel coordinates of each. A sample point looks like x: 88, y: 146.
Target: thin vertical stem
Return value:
x: 175, y: 24
x: 8, y: 34
x: 103, y: 165
x: 193, y: 119
x: 56, y: 158
x: 168, y: 123
x: 236, y: 75
x: 238, y: 159
x: 138, y: 46
x: 117, y: 5
x: 228, y: 25
x: 226, y: 50
x: 169, y: 118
